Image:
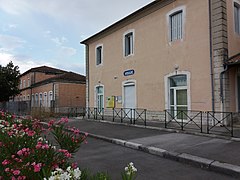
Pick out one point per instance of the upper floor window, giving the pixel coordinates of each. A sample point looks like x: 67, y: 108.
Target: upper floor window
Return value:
x: 176, y: 25
x: 237, y: 17
x: 28, y: 82
x: 99, y: 54
x: 21, y: 84
x: 128, y: 43
x: 24, y: 83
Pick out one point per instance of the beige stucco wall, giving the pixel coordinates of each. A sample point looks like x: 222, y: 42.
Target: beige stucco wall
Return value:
x: 154, y: 57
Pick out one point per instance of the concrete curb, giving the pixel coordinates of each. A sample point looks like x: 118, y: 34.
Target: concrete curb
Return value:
x: 208, y: 164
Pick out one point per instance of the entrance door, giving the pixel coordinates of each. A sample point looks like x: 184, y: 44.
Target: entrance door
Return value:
x: 129, y: 98
x: 99, y: 98
x: 178, y: 96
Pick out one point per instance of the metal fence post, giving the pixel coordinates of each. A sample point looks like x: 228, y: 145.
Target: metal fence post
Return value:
x: 165, y: 120
x: 145, y: 116
x: 121, y: 115
x: 201, y: 122
x: 182, y: 119
x: 102, y: 113
x: 113, y: 114
x: 231, y: 124
x: 207, y: 123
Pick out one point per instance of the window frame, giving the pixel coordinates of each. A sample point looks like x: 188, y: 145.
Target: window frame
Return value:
x: 167, y: 88
x: 99, y: 94
x: 101, y: 55
x: 132, y: 43
x: 236, y: 4
x: 169, y: 15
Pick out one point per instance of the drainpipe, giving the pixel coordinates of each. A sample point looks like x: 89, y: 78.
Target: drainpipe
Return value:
x: 211, y: 53
x: 221, y: 83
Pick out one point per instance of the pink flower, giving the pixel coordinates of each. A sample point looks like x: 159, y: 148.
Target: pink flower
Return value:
x: 7, y: 170
x: 74, y: 165
x: 16, y: 172
x: 20, y: 152
x: 21, y: 177
x: 50, y: 123
x: 5, y: 162
x: 37, y: 167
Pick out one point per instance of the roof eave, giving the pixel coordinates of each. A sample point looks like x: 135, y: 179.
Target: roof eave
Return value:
x: 142, y: 12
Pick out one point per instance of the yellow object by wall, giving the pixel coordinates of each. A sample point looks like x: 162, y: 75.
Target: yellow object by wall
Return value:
x: 111, y: 102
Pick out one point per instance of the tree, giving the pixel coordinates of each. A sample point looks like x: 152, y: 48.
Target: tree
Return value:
x: 9, y: 81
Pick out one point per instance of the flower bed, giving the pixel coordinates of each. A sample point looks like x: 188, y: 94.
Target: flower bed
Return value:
x: 25, y: 152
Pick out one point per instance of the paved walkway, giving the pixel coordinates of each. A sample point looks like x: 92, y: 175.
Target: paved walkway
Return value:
x: 219, y: 155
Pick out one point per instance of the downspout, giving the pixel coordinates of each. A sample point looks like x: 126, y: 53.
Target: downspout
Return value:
x: 211, y: 53
x: 221, y: 83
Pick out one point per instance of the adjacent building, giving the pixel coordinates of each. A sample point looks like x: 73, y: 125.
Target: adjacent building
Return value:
x: 51, y: 88
x: 170, y: 54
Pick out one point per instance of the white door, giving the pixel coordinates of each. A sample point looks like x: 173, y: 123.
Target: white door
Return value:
x: 129, y: 96
x: 129, y: 99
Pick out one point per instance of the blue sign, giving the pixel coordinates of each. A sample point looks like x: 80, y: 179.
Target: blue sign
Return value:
x: 128, y: 72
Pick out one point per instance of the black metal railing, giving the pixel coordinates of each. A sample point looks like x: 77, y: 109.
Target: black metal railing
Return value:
x: 208, y: 122
x: 184, y: 119
x: 220, y: 123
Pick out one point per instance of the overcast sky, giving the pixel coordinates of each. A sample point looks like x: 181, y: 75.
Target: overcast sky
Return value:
x: 48, y: 32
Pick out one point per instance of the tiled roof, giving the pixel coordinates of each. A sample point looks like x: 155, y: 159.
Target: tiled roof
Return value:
x: 71, y: 77
x: 234, y: 60
x: 45, y: 69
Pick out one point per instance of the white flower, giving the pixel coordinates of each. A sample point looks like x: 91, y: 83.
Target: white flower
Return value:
x: 77, y: 173
x: 40, y: 139
x: 65, y: 176
x: 69, y: 169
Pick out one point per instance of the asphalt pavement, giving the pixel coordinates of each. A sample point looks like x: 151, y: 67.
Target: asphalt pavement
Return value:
x: 219, y: 155
x: 101, y: 156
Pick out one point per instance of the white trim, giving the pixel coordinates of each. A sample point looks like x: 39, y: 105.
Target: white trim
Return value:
x: 95, y: 95
x: 167, y: 92
x: 168, y: 15
x: 133, y: 45
x: 50, y: 98
x: 101, y: 64
x: 129, y: 83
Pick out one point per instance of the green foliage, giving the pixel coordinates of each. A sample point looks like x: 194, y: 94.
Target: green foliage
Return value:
x: 9, y: 81
x: 87, y: 175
